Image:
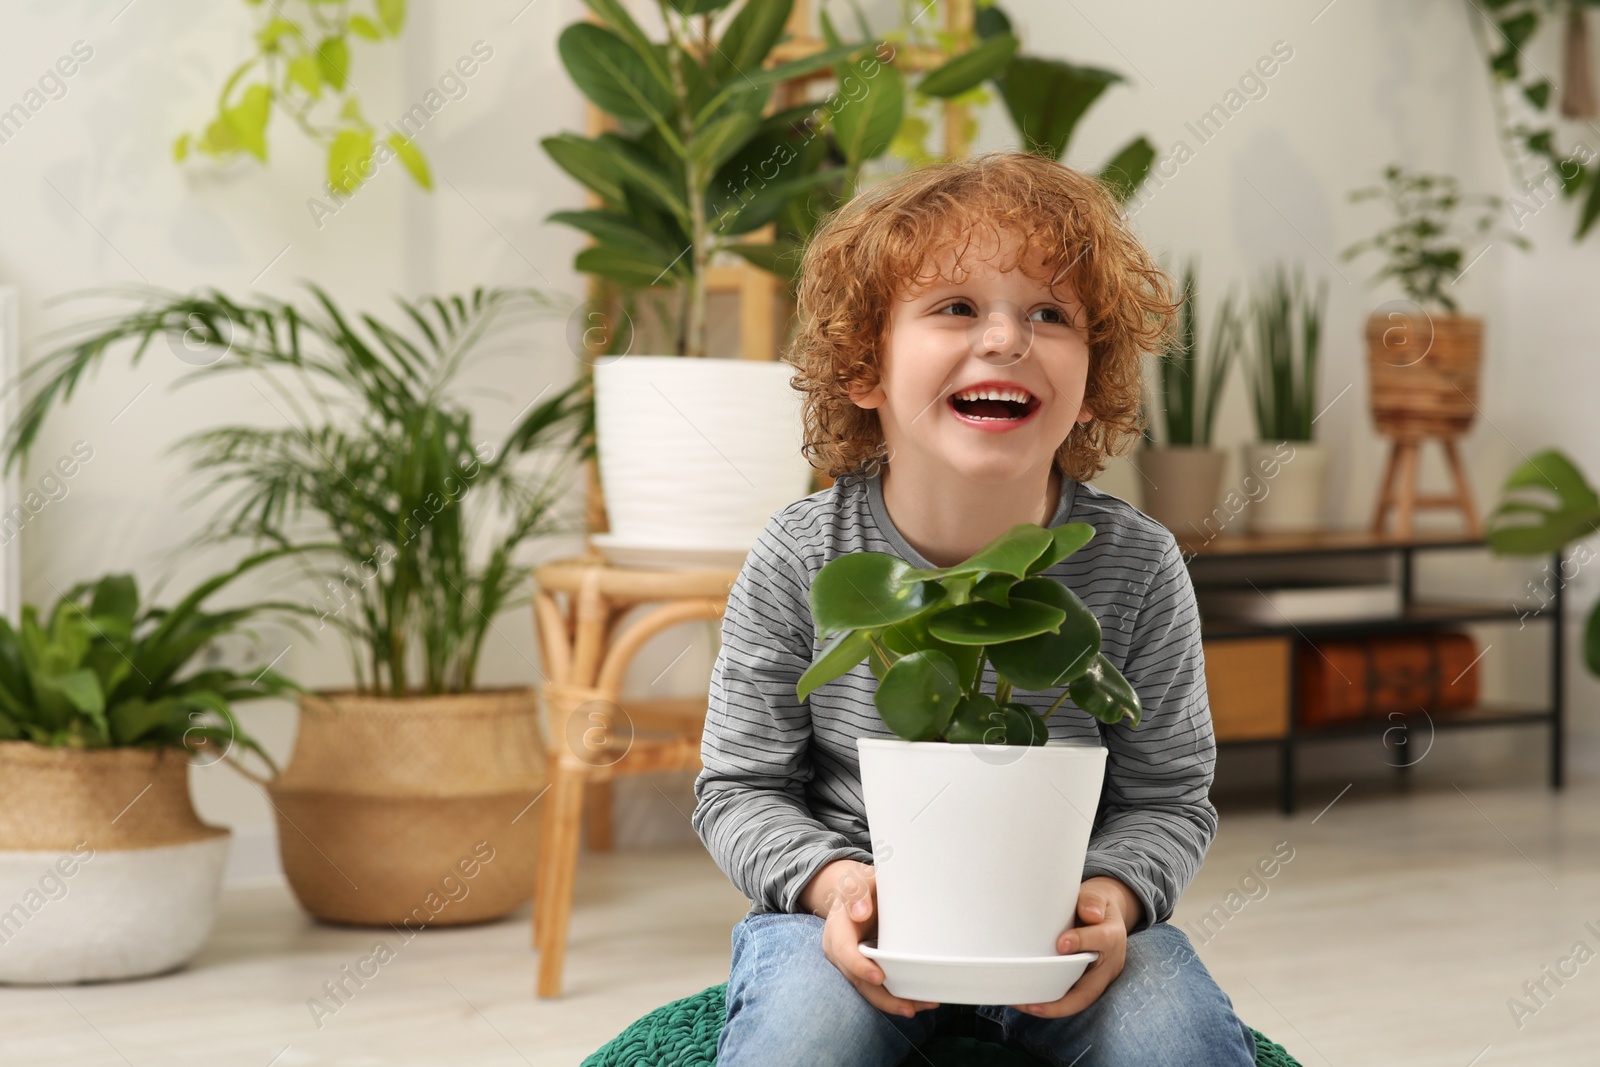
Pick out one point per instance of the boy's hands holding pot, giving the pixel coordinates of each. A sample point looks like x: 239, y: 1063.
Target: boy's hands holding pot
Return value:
x: 1106, y: 909
x: 845, y: 894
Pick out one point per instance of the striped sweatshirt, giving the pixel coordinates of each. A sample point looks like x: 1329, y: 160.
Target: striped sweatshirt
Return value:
x: 780, y: 792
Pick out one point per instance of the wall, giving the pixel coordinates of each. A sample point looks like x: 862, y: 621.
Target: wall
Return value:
x: 89, y: 197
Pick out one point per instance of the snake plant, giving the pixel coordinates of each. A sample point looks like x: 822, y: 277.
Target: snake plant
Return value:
x: 927, y: 633
x: 104, y: 670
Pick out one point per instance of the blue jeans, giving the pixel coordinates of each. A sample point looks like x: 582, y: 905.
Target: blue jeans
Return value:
x: 787, y: 1004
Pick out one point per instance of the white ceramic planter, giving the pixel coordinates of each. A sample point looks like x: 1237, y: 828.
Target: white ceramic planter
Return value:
x: 978, y: 849
x: 1286, y: 483
x: 122, y: 913
x: 697, y: 453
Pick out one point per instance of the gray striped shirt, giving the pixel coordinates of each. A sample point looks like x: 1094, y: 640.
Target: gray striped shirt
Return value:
x: 780, y: 794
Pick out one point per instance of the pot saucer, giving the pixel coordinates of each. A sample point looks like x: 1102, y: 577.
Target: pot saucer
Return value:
x: 973, y: 980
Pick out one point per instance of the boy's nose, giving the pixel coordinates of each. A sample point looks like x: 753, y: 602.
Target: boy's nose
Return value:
x: 1003, y: 331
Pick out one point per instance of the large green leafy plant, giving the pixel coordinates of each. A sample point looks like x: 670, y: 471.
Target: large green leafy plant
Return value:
x: 696, y: 164
x: 927, y: 634
x: 366, y: 478
x: 103, y: 670
x: 1547, y: 504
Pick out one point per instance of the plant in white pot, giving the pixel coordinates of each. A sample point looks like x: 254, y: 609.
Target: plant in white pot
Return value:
x: 1289, y: 469
x: 373, y: 477
x: 1183, y: 474
x: 1015, y: 810
x: 694, y: 453
x: 106, y: 870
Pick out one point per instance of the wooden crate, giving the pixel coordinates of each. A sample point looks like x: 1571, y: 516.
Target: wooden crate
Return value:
x: 1247, y: 680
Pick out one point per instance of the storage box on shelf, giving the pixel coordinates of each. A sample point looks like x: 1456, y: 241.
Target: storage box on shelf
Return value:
x: 1253, y: 673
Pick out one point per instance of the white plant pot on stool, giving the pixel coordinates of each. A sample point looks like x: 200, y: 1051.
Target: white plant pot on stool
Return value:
x: 1294, y: 476
x: 978, y: 854
x: 696, y: 454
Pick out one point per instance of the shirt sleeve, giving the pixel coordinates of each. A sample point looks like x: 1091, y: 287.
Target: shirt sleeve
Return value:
x: 750, y: 797
x: 1156, y: 818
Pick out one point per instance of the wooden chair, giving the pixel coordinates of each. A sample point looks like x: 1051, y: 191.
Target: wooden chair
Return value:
x: 595, y: 736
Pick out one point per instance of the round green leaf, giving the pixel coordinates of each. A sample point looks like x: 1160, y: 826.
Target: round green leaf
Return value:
x: 1103, y: 692
x: 1023, y: 726
x: 1010, y: 553
x: 973, y: 718
x: 983, y: 623
x: 1047, y: 660
x: 866, y: 591
x: 1064, y: 541
x: 912, y: 635
x: 918, y: 695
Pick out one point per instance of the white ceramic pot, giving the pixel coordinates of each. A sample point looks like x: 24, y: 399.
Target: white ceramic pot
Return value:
x: 1286, y: 484
x: 127, y: 913
x: 697, y: 452
x: 106, y: 871
x: 978, y: 849
x: 1182, y: 485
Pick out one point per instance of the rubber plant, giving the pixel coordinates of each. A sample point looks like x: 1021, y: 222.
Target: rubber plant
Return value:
x: 1546, y: 505
x: 927, y: 635
x: 301, y: 67
x: 105, y: 670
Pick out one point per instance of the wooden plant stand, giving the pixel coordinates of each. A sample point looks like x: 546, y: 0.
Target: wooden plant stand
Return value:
x: 594, y: 736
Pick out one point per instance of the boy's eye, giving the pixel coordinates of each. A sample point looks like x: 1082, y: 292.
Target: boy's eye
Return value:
x: 1058, y: 316
x: 966, y: 308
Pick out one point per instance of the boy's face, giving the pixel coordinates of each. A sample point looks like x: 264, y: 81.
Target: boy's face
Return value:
x: 1003, y: 330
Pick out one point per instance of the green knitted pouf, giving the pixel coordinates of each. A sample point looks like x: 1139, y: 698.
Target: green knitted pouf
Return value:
x: 684, y: 1034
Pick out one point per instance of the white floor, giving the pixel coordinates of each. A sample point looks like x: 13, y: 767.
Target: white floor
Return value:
x: 1397, y: 935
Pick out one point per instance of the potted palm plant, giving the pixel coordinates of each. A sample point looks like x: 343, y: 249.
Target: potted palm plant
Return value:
x: 1183, y: 475
x: 928, y: 636
x: 409, y: 522
x: 1423, y: 356
x: 1290, y: 468
x: 107, y: 870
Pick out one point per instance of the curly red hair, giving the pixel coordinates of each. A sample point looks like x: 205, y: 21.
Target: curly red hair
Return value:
x: 878, y: 245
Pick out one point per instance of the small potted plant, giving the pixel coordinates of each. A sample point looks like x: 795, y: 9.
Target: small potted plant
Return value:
x: 1289, y: 470
x: 1424, y: 357
x: 107, y: 870
x: 929, y: 635
x: 1183, y: 474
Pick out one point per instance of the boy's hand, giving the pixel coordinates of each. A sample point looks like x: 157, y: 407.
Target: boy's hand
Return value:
x: 1106, y: 908
x: 845, y: 894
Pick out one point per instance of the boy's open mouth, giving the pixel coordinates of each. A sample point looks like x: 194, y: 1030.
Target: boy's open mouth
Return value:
x: 993, y: 403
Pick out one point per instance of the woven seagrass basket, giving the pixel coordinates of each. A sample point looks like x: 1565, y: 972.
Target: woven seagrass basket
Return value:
x: 415, y: 811
x: 1424, y: 373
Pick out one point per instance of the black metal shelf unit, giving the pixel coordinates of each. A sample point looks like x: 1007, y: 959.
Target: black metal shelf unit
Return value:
x: 1415, y: 615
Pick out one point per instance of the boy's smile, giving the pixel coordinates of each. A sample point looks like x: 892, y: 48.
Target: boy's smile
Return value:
x: 983, y: 371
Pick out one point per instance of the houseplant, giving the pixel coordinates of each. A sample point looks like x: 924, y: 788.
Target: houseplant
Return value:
x: 377, y: 484
x: 1281, y: 365
x: 697, y: 455
x: 1547, y: 505
x: 1183, y: 474
x: 301, y: 68
x: 1424, y: 357
x: 108, y: 871
x: 929, y: 635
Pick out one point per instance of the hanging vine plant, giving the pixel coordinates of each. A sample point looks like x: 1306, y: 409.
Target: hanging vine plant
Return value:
x: 301, y: 67
x: 1504, y: 29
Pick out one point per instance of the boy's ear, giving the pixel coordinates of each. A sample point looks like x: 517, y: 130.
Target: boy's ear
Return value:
x: 1085, y: 414
x: 867, y: 397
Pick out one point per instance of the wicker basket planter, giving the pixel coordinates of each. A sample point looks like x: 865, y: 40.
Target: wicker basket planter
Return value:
x: 106, y: 871
x: 413, y: 811
x: 1424, y: 374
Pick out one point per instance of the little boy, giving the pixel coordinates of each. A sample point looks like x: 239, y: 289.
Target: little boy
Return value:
x: 969, y: 355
